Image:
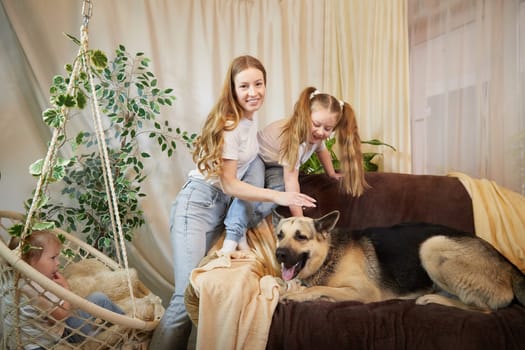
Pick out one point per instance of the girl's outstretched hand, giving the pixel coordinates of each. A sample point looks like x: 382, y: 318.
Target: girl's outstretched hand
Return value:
x: 336, y: 176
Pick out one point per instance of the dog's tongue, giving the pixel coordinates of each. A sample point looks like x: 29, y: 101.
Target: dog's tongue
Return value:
x: 287, y: 273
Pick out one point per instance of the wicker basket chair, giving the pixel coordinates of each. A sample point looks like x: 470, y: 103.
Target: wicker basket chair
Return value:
x: 28, y: 298
x: 114, y: 331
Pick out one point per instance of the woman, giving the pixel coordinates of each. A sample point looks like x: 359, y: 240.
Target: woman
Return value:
x: 227, y: 166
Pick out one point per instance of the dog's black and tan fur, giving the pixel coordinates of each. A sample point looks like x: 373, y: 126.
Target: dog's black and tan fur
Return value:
x: 432, y: 263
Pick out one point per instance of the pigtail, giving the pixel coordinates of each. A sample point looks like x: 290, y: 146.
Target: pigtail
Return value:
x: 351, y: 157
x: 296, y: 129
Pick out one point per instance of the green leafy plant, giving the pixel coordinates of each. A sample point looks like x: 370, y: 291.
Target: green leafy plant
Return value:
x: 314, y: 166
x: 368, y: 157
x: 130, y: 100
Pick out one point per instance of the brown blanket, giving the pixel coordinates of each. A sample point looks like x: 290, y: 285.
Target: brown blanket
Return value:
x: 393, y: 198
x: 393, y: 324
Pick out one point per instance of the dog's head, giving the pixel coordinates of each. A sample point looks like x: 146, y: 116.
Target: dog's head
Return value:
x: 302, y: 243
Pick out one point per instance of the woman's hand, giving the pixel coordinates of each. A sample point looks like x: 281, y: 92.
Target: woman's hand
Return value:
x: 295, y: 199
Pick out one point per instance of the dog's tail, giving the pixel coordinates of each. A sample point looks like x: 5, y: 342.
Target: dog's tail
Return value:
x: 518, y: 285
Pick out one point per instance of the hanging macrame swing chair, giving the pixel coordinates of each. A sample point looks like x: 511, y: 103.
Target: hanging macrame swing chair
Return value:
x: 24, y: 291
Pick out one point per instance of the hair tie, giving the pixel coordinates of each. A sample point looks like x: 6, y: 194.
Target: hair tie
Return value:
x: 313, y: 94
x: 317, y: 92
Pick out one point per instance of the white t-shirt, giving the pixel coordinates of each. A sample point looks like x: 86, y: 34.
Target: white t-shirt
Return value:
x: 240, y: 144
x: 270, y: 145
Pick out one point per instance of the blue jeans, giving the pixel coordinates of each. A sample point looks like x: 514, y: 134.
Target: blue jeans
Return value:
x: 78, y: 320
x: 273, y: 179
x: 241, y: 212
x: 196, y: 221
x: 243, y: 215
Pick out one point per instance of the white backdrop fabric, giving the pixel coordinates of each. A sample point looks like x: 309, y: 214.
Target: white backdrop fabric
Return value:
x: 463, y: 83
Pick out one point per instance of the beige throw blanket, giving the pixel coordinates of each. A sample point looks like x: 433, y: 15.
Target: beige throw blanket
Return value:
x: 499, y: 216
x: 237, y: 295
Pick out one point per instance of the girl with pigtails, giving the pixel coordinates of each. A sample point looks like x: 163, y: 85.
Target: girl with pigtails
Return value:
x: 286, y: 144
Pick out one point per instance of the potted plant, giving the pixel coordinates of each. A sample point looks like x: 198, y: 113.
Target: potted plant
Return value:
x: 130, y: 100
x: 314, y: 166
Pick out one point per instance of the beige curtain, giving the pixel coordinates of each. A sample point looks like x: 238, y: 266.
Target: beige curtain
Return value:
x: 467, y: 88
x: 366, y: 59
x: 354, y: 49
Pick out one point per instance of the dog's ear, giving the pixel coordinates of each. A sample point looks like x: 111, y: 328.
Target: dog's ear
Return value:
x: 326, y: 222
x: 276, y: 217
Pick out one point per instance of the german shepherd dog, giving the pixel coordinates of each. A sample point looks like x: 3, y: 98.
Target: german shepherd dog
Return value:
x: 426, y: 262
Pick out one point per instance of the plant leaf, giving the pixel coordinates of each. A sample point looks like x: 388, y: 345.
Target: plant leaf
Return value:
x: 44, y: 225
x: 35, y: 169
x: 72, y: 38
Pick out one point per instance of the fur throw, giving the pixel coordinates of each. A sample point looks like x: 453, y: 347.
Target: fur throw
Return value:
x: 91, y: 275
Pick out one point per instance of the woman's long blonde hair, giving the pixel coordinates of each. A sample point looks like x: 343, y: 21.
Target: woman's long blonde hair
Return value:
x: 224, y: 116
x: 298, y: 127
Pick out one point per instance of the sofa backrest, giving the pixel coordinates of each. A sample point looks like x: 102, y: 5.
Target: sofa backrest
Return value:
x: 393, y: 198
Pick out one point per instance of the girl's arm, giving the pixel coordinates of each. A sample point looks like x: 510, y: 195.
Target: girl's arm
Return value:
x: 326, y: 161
x: 291, y: 184
x: 242, y: 190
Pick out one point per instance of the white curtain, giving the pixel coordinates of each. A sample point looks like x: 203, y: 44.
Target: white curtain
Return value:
x: 355, y: 50
x: 467, y: 81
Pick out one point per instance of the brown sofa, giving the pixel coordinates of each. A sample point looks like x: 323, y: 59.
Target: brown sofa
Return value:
x: 394, y: 324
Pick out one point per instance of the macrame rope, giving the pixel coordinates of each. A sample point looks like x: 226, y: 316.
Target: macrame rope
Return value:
x: 87, y: 9
x: 102, y: 148
x: 53, y: 148
x: 50, y: 156
x: 106, y: 169
x: 41, y: 187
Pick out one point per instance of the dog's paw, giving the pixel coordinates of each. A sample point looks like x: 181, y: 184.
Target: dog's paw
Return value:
x: 294, y: 286
x: 423, y: 300
x: 327, y: 298
x: 289, y: 286
x: 430, y: 299
x: 299, y: 296
x: 294, y: 296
